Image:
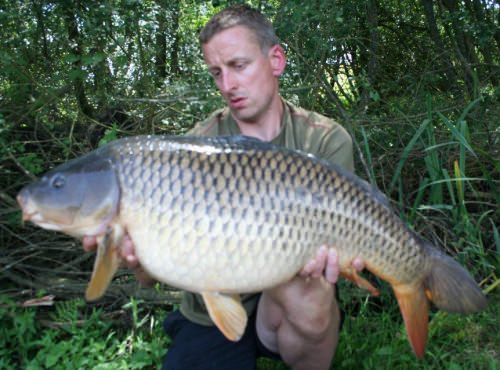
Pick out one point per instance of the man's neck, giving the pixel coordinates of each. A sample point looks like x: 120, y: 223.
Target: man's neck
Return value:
x: 268, y: 126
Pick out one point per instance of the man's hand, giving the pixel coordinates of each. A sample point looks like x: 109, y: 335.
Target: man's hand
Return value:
x: 326, y: 264
x: 127, y: 255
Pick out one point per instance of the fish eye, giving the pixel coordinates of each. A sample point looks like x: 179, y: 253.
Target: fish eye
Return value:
x: 58, y: 181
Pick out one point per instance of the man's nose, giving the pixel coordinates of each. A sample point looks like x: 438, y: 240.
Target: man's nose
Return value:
x: 228, y: 82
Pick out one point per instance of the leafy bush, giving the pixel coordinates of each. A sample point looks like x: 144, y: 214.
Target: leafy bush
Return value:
x: 73, y: 336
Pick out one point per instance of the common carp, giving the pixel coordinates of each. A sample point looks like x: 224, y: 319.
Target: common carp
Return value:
x: 229, y: 215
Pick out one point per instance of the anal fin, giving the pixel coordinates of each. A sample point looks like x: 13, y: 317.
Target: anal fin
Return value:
x: 414, y: 307
x: 106, y: 263
x: 352, y: 275
x: 227, y: 313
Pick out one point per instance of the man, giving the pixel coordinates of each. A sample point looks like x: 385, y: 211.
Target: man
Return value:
x: 297, y: 321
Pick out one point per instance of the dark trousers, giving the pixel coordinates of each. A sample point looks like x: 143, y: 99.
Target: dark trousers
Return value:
x: 198, y: 347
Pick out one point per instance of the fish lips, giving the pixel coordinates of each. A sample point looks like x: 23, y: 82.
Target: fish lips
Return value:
x: 32, y: 213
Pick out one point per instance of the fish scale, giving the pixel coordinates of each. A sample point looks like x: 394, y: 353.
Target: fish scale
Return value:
x: 223, y: 216
x: 216, y: 171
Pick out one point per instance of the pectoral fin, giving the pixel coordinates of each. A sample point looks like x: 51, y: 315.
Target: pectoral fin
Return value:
x: 227, y: 313
x: 106, y: 263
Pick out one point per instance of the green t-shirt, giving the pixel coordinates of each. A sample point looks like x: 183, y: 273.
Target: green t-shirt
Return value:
x: 301, y: 130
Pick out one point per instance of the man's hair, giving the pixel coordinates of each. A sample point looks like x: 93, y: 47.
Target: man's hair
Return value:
x: 241, y: 15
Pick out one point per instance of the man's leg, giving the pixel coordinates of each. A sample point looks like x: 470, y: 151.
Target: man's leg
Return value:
x: 198, y: 347
x: 300, y: 320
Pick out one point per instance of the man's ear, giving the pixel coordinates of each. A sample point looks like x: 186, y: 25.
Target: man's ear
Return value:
x: 277, y: 58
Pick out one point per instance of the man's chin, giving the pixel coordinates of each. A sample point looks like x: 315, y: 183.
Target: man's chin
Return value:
x: 244, y: 115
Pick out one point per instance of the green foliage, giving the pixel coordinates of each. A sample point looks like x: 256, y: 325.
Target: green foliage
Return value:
x: 379, y: 342
x: 71, y: 336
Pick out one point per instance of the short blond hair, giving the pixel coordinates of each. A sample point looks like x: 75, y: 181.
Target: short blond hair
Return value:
x: 241, y: 15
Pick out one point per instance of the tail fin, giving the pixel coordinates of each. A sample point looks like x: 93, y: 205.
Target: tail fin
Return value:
x: 450, y: 287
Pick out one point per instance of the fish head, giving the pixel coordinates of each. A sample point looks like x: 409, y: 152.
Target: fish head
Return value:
x: 78, y: 198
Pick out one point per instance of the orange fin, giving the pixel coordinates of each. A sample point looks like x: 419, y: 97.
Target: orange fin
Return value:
x: 352, y: 275
x: 106, y: 263
x: 227, y: 313
x: 414, y: 307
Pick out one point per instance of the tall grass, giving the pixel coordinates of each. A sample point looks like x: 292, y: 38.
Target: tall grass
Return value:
x: 454, y: 203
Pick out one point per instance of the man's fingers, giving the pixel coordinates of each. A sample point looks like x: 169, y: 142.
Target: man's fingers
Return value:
x: 358, y: 264
x: 321, y: 260
x: 127, y: 251
x: 326, y: 263
x: 308, y: 268
x: 315, y: 267
x: 332, y: 266
x: 89, y: 243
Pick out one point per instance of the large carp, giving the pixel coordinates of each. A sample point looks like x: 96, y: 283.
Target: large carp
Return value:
x: 229, y: 215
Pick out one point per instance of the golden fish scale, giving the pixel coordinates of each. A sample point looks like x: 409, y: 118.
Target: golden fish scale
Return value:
x: 250, y: 218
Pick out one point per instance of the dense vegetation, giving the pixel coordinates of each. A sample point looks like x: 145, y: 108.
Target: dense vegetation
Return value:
x: 415, y: 83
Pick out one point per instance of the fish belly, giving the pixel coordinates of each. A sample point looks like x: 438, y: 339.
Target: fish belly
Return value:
x: 246, y: 220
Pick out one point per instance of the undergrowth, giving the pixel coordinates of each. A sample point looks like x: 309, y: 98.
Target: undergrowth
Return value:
x: 72, y: 335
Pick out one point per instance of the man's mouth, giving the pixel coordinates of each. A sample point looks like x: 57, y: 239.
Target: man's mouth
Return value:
x: 237, y: 102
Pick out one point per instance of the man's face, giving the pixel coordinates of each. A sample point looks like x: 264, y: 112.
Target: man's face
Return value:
x: 245, y: 76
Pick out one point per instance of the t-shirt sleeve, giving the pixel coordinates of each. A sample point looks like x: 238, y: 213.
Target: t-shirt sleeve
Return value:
x: 336, y: 147
x: 207, y: 127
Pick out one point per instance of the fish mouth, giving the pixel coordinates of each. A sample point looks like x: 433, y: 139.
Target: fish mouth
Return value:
x: 29, y: 213
x: 32, y: 214
x: 37, y: 218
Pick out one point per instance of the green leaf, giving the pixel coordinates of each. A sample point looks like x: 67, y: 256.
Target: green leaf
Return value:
x: 53, y: 356
x: 385, y: 351
x: 406, y: 153
x: 457, y: 134
x: 92, y: 59
x: 76, y: 74
x: 109, y: 135
x: 71, y: 58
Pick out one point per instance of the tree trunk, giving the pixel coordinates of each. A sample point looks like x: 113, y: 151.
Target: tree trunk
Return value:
x: 372, y: 54
x: 438, y: 44
x: 480, y: 16
x: 463, y: 43
x: 161, y: 45
x: 372, y: 21
x: 78, y: 82
x: 142, y: 81
x: 174, y: 54
x: 41, y: 30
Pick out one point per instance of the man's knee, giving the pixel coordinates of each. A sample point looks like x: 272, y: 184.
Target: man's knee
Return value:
x: 309, y: 307
x: 310, y: 342
x: 319, y: 321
